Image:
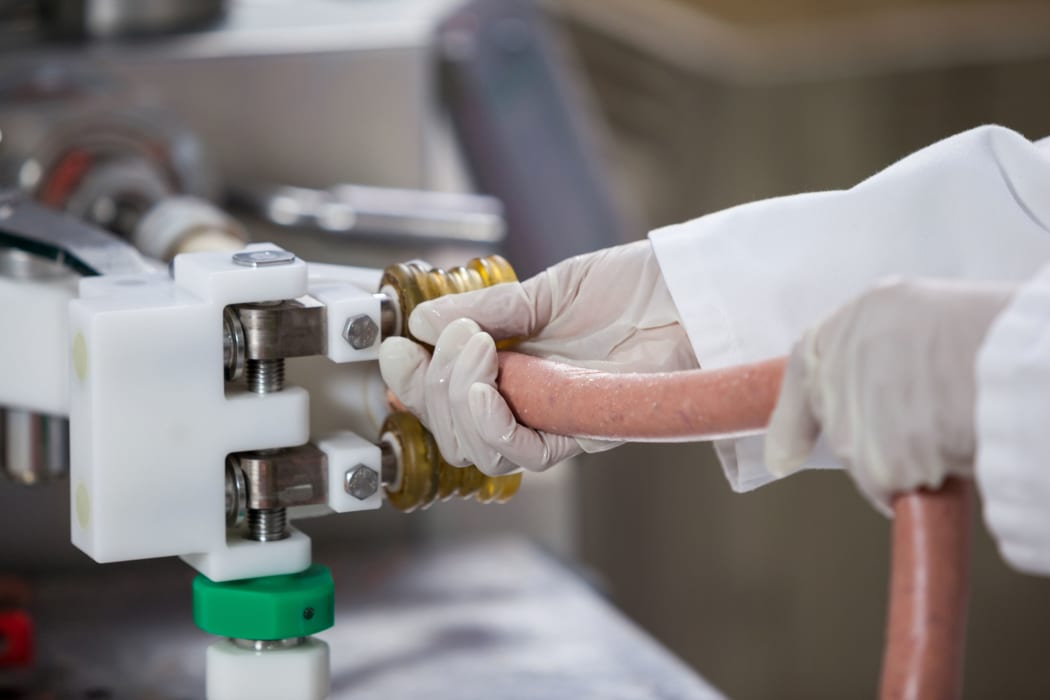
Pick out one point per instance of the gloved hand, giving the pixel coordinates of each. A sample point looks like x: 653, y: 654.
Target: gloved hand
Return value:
x: 607, y: 310
x: 1013, y: 472
x: 890, y: 379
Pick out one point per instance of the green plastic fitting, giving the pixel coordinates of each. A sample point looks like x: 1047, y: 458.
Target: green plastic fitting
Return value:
x: 266, y: 608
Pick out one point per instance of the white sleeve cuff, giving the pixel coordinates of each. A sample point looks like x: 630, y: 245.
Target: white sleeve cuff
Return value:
x: 748, y: 281
x: 1013, y: 381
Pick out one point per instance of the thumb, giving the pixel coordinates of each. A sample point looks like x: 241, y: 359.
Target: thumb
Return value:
x: 403, y: 365
x: 509, y: 310
x: 793, y: 427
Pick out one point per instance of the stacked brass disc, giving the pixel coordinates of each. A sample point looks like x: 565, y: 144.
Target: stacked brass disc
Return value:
x: 412, y: 283
x: 423, y: 475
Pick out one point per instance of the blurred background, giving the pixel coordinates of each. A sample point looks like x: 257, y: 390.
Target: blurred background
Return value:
x: 642, y: 113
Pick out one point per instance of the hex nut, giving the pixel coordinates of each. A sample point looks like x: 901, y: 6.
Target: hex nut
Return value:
x: 361, y: 332
x: 361, y: 482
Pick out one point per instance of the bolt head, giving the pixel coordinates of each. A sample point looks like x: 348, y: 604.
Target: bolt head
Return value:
x: 361, y: 332
x: 263, y: 258
x: 361, y: 482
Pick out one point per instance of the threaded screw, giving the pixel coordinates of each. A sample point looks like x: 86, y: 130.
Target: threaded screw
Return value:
x: 267, y: 524
x: 265, y: 376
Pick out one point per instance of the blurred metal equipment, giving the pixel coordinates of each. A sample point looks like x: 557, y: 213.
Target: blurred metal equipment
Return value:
x: 78, y: 141
x: 104, y: 19
x: 418, y: 216
x: 448, y: 96
x: 34, y: 447
x: 32, y: 234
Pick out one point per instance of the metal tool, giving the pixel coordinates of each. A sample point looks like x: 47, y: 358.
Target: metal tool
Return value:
x: 356, y: 211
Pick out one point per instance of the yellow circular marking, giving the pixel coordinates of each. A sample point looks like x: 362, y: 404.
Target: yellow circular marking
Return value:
x: 83, y: 506
x: 80, y: 356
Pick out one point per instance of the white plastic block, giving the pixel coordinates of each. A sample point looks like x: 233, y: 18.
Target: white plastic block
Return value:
x: 344, y: 301
x: 239, y: 559
x: 298, y: 673
x: 34, y: 343
x: 365, y: 278
x: 215, y: 277
x: 151, y: 425
x: 346, y: 451
x: 349, y: 396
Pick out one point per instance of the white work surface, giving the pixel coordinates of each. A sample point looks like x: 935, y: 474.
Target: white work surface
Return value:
x: 491, y: 619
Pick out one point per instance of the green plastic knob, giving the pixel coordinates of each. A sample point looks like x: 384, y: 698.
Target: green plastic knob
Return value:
x: 266, y: 608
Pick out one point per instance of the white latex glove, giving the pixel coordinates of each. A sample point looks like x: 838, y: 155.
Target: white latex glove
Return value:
x: 1013, y: 428
x: 890, y: 379
x: 607, y: 310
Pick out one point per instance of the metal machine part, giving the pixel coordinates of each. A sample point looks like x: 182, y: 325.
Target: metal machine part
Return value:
x: 34, y: 447
x: 267, y: 524
x: 361, y: 482
x: 419, y: 216
x: 113, y: 193
x: 261, y: 335
x: 233, y: 350
x: 423, y: 477
x: 236, y: 494
x: 32, y: 228
x: 272, y: 330
x: 263, y: 258
x: 79, y: 142
x: 293, y: 476
x: 389, y: 462
x: 265, y: 376
x: 106, y: 19
x: 389, y: 316
x: 17, y: 264
x: 267, y: 644
x: 410, y: 284
x: 361, y: 331
x: 184, y: 224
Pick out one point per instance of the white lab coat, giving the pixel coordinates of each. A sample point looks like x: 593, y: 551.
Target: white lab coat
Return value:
x: 749, y: 280
x: 1013, y: 415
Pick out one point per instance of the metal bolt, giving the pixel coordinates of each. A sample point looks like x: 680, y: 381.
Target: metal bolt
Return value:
x: 236, y: 494
x: 263, y: 258
x: 361, y: 332
x: 261, y: 645
x: 267, y: 524
x: 361, y: 482
x: 265, y: 376
x: 232, y: 344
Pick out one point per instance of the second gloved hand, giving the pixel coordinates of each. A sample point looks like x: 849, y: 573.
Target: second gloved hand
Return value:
x: 607, y: 310
x: 890, y: 380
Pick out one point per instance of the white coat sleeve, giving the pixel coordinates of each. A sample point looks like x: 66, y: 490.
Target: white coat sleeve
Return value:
x: 1013, y: 414
x: 749, y: 280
